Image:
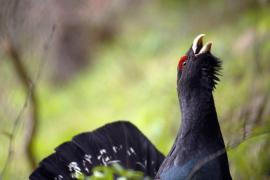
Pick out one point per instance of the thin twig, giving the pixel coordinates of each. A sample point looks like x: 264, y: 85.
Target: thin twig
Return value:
x: 12, y: 135
x: 31, y: 95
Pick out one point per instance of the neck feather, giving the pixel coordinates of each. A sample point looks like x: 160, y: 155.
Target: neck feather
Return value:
x: 199, y: 118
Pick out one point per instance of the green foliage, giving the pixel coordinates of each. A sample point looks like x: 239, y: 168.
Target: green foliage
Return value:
x: 109, y: 172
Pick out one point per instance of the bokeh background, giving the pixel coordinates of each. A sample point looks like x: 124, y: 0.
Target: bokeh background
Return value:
x: 71, y: 66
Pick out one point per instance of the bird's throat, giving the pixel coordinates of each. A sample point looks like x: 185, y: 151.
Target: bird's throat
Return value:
x: 199, y: 118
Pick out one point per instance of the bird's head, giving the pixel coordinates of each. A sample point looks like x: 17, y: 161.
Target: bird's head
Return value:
x: 198, y: 68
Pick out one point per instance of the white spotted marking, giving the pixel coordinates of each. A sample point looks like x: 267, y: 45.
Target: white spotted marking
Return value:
x: 86, y: 168
x: 117, y: 148
x: 129, y: 154
x: 114, y: 149
x: 103, y: 157
x: 59, y: 177
x: 74, y: 169
x: 87, y: 159
x: 102, y: 151
x: 114, y: 161
x: 141, y: 164
x: 132, y: 150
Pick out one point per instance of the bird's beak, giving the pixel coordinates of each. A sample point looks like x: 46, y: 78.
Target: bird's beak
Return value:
x: 206, y: 48
x: 198, y: 47
x: 197, y: 43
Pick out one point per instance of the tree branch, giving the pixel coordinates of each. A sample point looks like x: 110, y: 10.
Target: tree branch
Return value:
x: 29, y: 87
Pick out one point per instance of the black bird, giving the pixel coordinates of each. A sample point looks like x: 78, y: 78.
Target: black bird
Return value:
x: 198, y: 151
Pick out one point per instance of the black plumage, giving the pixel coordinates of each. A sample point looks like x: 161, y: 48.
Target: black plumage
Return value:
x: 118, y: 142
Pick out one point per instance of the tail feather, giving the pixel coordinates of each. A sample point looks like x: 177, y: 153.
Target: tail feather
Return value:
x: 54, y: 165
x: 118, y: 142
x: 42, y: 174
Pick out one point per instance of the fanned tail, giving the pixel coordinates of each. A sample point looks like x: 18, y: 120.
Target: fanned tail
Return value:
x: 119, y: 142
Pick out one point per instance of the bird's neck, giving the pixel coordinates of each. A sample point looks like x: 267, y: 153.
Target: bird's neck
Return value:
x: 199, y: 135
x: 199, y: 119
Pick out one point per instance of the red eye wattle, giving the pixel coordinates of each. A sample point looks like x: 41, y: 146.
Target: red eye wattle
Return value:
x: 181, y: 62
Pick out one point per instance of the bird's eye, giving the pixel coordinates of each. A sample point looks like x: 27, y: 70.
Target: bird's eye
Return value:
x: 182, y: 62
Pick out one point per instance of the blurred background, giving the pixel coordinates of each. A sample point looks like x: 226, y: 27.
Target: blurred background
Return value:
x: 72, y: 66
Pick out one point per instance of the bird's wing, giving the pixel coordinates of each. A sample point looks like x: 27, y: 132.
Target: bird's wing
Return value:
x: 119, y: 142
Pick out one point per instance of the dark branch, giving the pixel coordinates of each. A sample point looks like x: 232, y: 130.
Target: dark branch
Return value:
x: 29, y: 87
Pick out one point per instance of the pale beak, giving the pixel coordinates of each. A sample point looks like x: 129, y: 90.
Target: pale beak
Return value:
x: 206, y: 48
x: 198, y: 47
x: 197, y: 43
